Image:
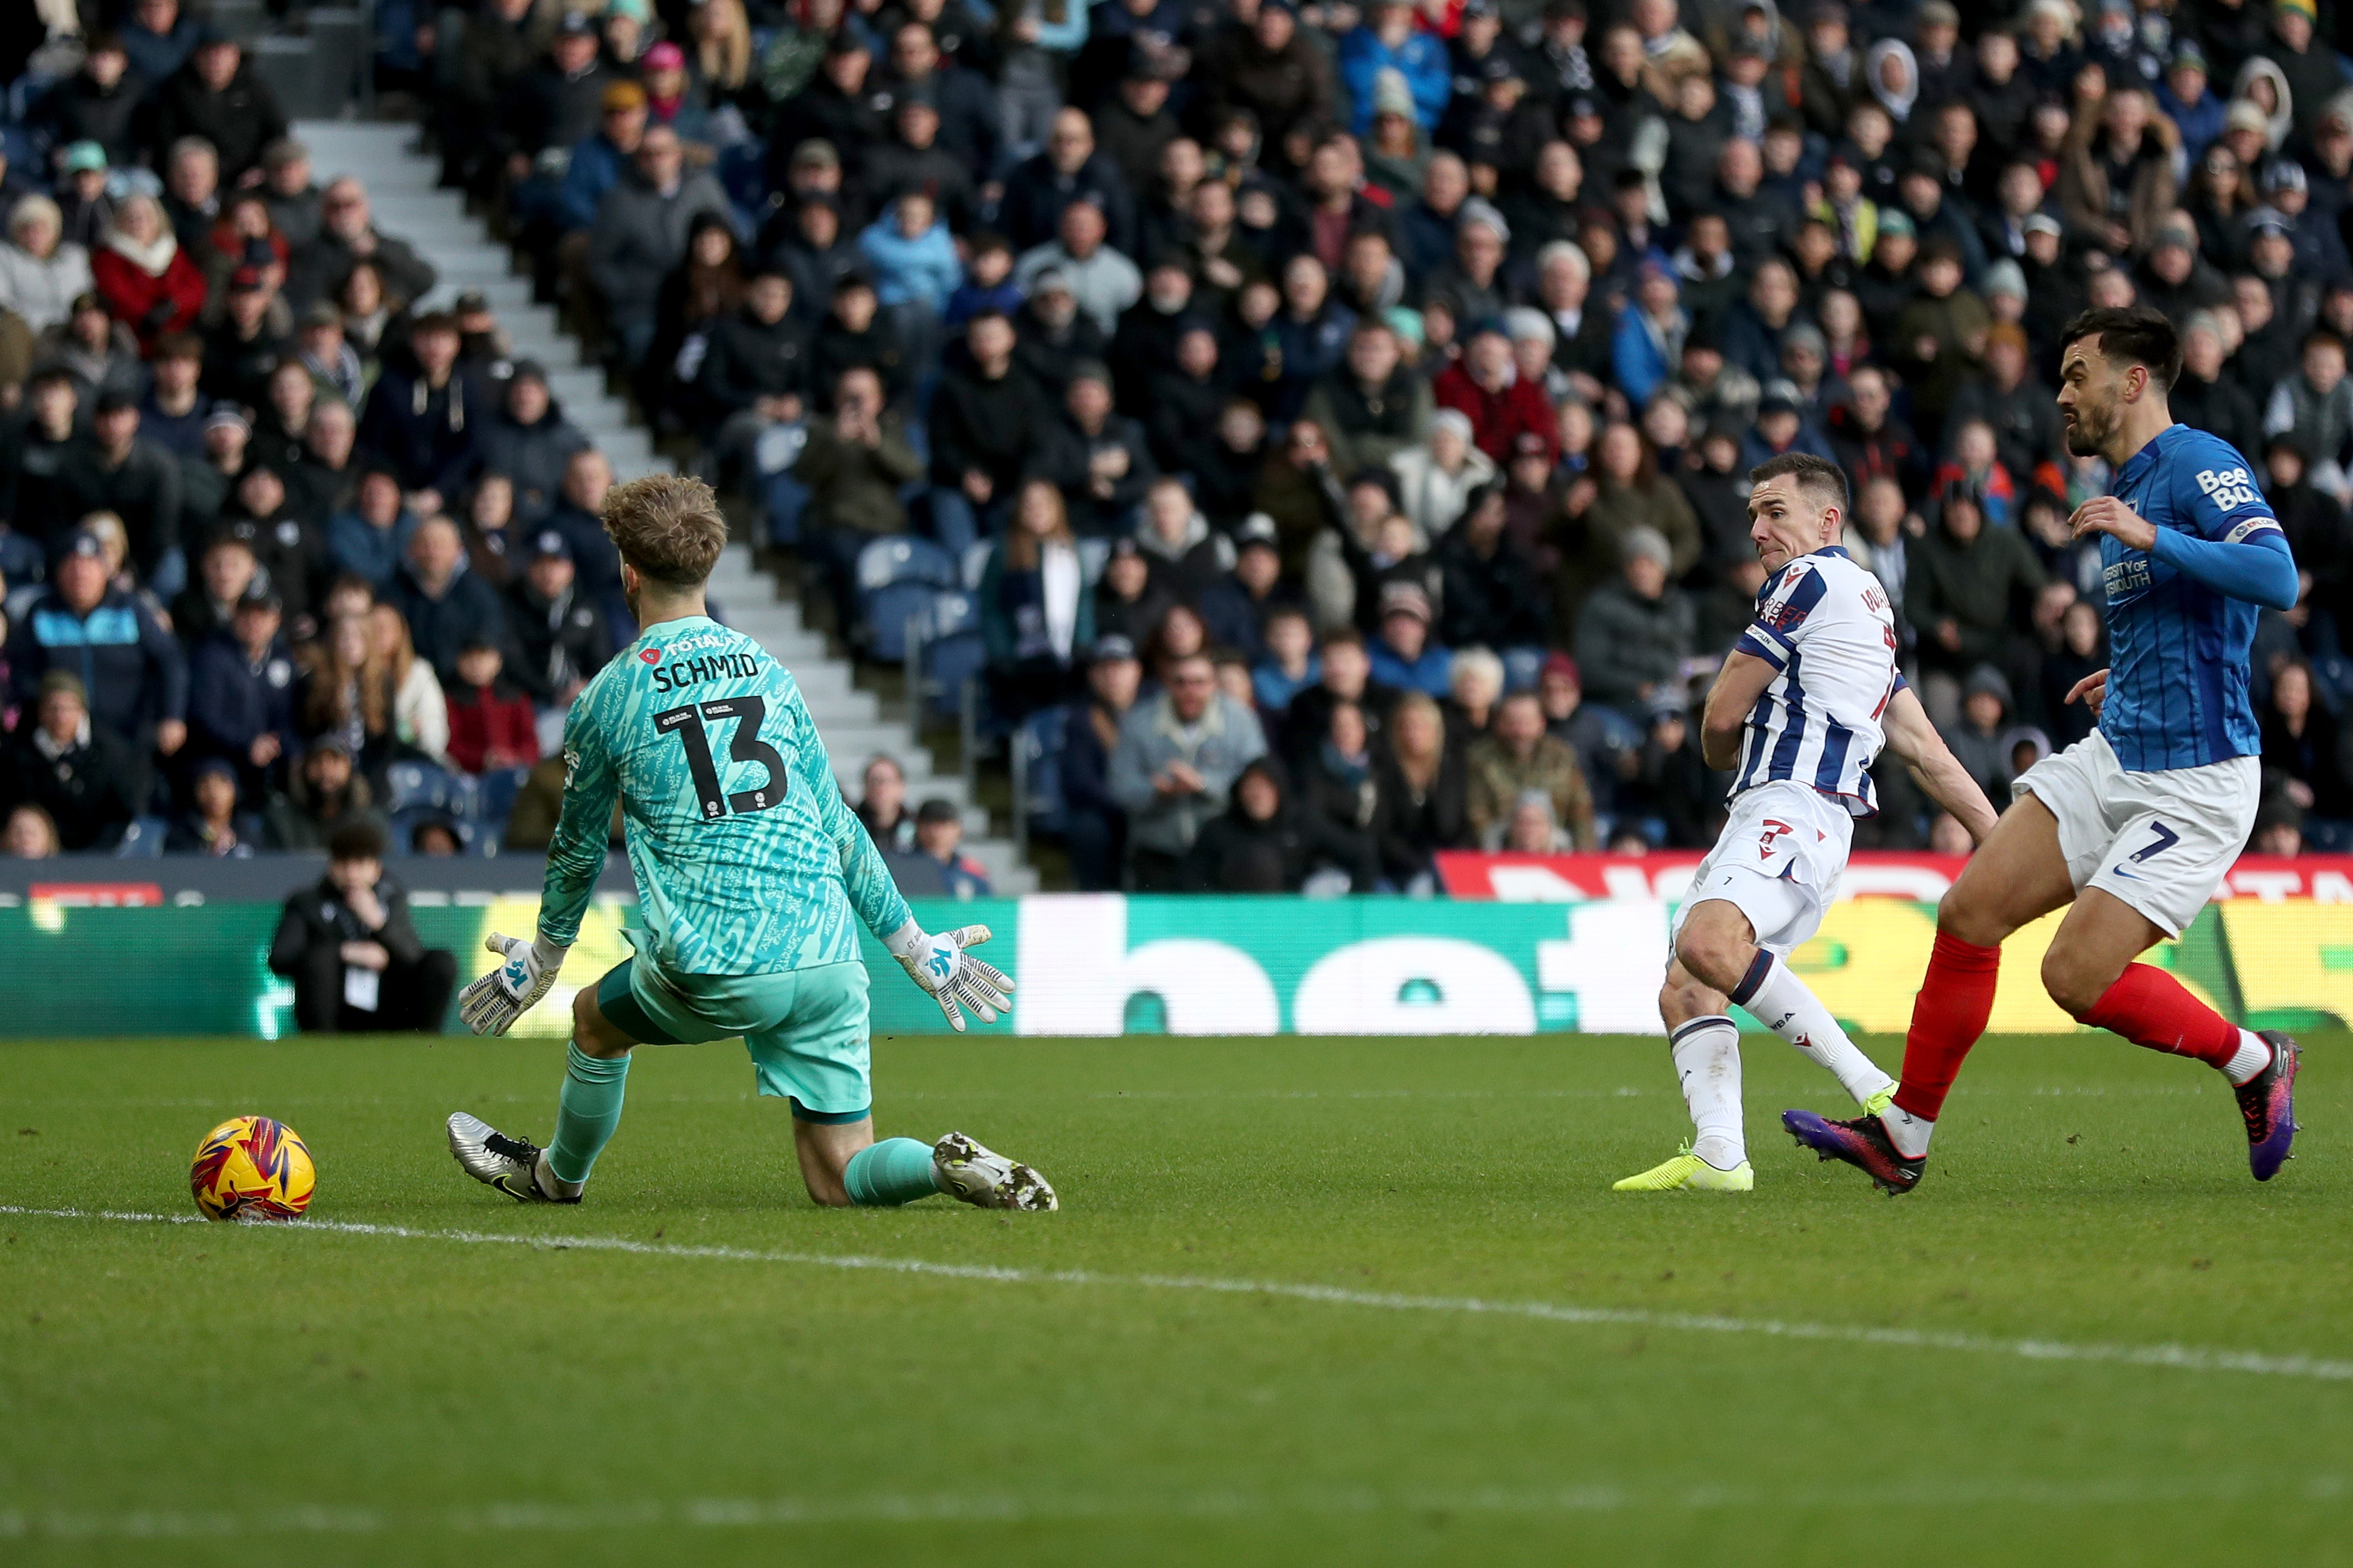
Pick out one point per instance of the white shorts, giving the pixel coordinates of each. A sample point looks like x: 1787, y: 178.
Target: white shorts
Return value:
x: 1779, y: 862
x: 2159, y: 841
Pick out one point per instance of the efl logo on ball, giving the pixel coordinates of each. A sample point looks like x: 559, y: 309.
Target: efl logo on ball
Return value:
x: 251, y: 1168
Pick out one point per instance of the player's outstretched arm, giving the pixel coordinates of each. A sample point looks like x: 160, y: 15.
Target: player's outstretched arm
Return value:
x: 1932, y: 765
x: 1738, y: 684
x: 2252, y: 563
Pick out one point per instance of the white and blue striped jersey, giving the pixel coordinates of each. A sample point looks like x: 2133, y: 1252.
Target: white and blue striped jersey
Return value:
x: 2179, y: 650
x: 1824, y: 625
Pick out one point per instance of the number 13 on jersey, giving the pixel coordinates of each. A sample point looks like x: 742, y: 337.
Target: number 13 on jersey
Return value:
x: 748, y: 712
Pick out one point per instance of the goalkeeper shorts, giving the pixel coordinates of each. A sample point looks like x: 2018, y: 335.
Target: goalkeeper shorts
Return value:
x: 808, y: 1029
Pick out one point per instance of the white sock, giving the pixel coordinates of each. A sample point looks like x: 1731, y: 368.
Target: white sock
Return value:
x: 2251, y: 1057
x: 1785, y: 1004
x: 1908, y: 1132
x: 1707, y: 1061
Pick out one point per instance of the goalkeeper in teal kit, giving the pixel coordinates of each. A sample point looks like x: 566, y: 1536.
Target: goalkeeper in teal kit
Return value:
x: 751, y: 870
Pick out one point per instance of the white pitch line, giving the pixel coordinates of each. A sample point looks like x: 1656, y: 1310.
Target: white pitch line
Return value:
x: 2181, y: 1358
x: 953, y: 1508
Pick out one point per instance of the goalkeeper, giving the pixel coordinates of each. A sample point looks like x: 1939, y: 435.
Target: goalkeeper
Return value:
x: 750, y: 868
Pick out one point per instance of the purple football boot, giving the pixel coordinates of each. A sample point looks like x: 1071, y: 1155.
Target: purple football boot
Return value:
x: 2267, y: 1102
x: 1863, y: 1143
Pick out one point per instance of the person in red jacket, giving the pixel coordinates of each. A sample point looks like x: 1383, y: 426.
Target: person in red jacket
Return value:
x: 1487, y: 386
x: 144, y: 279
x: 492, y: 724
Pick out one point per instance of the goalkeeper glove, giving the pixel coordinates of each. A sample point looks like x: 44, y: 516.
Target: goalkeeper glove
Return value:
x: 491, y: 1004
x: 951, y: 975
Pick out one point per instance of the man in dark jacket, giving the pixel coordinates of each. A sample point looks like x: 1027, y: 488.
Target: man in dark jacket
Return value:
x: 87, y: 779
x: 218, y: 96
x: 114, y: 470
x: 1094, y: 823
x: 1099, y: 459
x: 1634, y: 633
x: 755, y: 366
x: 347, y: 235
x: 352, y: 951
x: 559, y: 634
x: 426, y: 423
x: 854, y: 465
x: 132, y: 675
x: 1069, y: 170
x: 986, y: 421
x: 642, y: 227
x: 97, y: 103
x: 446, y: 605
x: 241, y: 696
x: 530, y: 441
x: 1495, y: 596
x: 1966, y: 589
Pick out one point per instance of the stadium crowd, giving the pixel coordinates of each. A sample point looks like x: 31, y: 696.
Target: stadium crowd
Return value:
x: 1321, y: 428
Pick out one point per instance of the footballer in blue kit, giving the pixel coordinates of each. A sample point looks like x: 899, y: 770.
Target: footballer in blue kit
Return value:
x: 2136, y: 824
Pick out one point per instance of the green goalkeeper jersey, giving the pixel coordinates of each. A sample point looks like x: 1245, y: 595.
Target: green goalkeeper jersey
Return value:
x: 747, y: 859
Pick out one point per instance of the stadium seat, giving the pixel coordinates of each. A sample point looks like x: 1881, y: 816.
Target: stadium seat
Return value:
x: 975, y: 562
x: 953, y: 613
x: 143, y: 840
x: 1038, y: 746
x: 422, y: 786
x: 886, y: 613
x: 948, y: 662
x: 904, y: 558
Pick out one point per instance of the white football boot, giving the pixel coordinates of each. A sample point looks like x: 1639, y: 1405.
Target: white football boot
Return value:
x: 987, y: 1180
x: 516, y: 1166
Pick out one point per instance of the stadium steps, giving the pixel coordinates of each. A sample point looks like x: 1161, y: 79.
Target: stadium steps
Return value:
x: 401, y: 183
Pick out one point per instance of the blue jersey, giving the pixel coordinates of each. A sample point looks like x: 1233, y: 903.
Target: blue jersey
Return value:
x: 2178, y: 650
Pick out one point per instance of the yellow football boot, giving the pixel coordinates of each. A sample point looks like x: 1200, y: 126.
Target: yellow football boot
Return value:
x: 1687, y: 1172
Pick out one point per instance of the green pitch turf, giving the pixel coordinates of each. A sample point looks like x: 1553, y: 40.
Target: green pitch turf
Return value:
x: 1478, y: 1352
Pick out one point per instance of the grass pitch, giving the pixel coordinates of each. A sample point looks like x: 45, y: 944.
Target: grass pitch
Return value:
x: 1308, y: 1301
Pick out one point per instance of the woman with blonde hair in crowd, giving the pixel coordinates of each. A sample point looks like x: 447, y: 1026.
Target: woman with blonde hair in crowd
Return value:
x: 420, y: 713
x: 1037, y: 617
x: 721, y: 58
x: 1424, y: 790
x: 342, y: 697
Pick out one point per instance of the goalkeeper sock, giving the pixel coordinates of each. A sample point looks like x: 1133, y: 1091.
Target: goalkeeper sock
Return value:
x: 884, y: 1175
x: 1784, y: 1003
x: 1707, y: 1054
x: 586, y: 1111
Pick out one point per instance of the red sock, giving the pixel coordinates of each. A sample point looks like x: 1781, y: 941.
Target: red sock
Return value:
x: 2150, y: 1007
x: 1948, y: 1014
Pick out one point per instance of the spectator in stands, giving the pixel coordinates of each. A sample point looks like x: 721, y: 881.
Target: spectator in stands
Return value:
x: 325, y: 794
x: 1437, y: 480
x: 1634, y: 633
x: 1260, y: 844
x: 134, y: 679
x: 28, y: 835
x: 213, y: 825
x: 114, y: 470
x: 226, y: 569
x: 1095, y: 823
x: 597, y: 163
x: 1036, y: 616
x: 352, y: 951
x: 172, y: 414
x: 939, y: 838
x: 324, y: 479
x: 1424, y: 794
x: 883, y: 806
x: 1495, y: 594
x: 1976, y: 738
x: 146, y: 281
x: 244, y: 345
x: 86, y: 779
x: 1339, y: 791
x: 426, y: 424
x: 856, y: 334
x: 1517, y: 757
x: 94, y: 349
x: 1674, y: 783
x: 1068, y: 173
x: 241, y: 694
x: 755, y: 367
x: 98, y: 104
x: 1404, y: 658
x: 375, y: 321
x: 297, y: 207
x: 1099, y: 459
x: 420, y: 714
x: 218, y: 96
x: 1177, y: 757
x: 36, y: 447
x: 1962, y: 583
x: 2307, y: 756
x: 530, y: 441
x: 985, y: 420
x: 854, y: 465
x: 2316, y: 406
x: 1378, y: 408
x: 294, y: 553
x: 640, y: 236
x: 446, y: 606
x: 41, y: 272
x: 1102, y: 281
x: 492, y: 724
x: 559, y: 635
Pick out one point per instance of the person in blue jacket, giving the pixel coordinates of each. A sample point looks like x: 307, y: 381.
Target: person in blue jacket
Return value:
x: 1387, y: 40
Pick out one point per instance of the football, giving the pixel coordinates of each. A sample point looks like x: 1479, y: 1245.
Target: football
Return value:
x: 251, y: 1168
